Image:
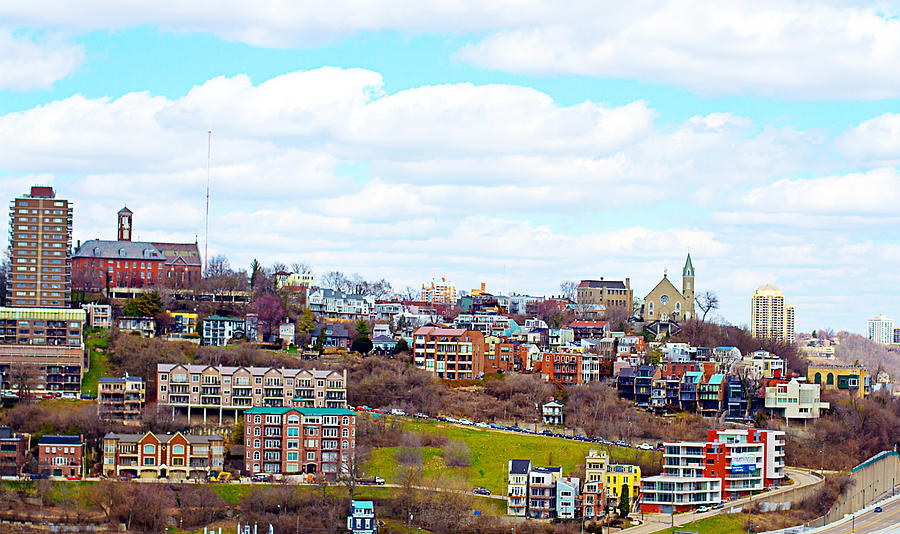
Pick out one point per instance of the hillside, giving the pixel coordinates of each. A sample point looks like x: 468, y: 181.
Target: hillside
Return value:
x: 855, y: 348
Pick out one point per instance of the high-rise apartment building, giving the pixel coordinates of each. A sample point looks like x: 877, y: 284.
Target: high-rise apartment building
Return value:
x: 40, y: 250
x: 770, y: 317
x: 881, y: 330
x: 439, y: 292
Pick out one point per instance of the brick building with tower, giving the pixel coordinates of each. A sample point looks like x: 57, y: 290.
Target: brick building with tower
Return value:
x: 99, y: 264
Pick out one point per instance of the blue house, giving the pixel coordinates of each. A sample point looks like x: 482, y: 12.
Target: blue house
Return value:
x: 362, y: 518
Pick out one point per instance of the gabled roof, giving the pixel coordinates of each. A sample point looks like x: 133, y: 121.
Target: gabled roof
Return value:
x: 118, y: 250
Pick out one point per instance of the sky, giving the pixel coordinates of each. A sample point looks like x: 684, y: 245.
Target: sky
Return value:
x: 516, y: 143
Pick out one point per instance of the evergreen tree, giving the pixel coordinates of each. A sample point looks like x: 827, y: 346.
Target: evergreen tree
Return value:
x: 624, y: 501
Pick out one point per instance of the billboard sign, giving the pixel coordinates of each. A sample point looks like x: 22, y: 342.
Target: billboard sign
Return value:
x: 743, y: 464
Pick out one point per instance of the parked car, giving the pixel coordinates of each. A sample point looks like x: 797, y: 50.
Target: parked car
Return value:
x: 36, y: 476
x: 86, y: 396
x: 443, y: 419
x: 481, y: 491
x: 877, y: 509
x: 547, y: 432
x: 395, y: 411
x: 702, y: 509
x: 125, y: 478
x: 482, y: 425
x: 421, y: 415
x: 466, y: 422
x: 620, y: 443
x: 718, y: 506
x: 262, y: 477
x: 69, y: 396
x: 47, y: 395
x: 73, y: 477
x: 371, y: 481
x: 645, y: 446
x: 495, y: 426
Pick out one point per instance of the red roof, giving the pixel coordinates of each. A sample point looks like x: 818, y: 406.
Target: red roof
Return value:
x: 588, y: 324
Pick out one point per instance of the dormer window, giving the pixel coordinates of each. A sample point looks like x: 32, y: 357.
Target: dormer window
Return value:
x: 122, y: 252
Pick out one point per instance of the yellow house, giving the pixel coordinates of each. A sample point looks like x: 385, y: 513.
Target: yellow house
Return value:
x: 490, y: 343
x: 619, y: 476
x: 184, y: 322
x: 852, y: 379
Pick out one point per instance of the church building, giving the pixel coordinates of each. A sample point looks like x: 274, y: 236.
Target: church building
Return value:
x: 666, y: 303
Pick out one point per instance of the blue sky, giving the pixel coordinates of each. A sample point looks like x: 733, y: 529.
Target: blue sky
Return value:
x: 514, y: 143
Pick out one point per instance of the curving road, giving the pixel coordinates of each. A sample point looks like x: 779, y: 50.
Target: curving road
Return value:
x: 655, y: 522
x: 869, y: 521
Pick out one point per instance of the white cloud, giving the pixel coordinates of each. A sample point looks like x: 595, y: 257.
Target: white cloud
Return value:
x: 27, y: 63
x: 792, y: 49
x: 876, y: 140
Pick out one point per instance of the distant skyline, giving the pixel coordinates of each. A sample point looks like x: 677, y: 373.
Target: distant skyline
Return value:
x: 516, y: 144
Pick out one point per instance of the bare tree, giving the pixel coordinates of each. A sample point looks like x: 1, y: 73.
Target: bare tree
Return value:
x: 218, y: 266
x: 300, y: 267
x: 707, y: 302
x: 23, y: 376
x: 569, y: 289
x: 336, y: 280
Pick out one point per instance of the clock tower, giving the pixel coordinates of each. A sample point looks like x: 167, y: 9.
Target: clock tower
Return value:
x: 125, y: 224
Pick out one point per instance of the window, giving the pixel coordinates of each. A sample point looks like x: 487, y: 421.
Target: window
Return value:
x: 149, y: 449
x: 178, y: 449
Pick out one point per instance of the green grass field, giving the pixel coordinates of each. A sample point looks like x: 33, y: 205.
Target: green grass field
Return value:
x: 717, y: 524
x: 491, y: 451
x: 97, y: 342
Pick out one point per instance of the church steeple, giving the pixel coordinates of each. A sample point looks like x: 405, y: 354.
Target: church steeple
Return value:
x: 688, y: 267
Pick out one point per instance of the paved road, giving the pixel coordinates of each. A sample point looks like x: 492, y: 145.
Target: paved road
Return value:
x: 870, y: 522
x: 655, y: 522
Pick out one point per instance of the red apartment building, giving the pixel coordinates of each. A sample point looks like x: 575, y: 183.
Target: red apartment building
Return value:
x: 298, y: 440
x: 134, y: 264
x: 506, y: 357
x: 563, y: 368
x: 175, y: 456
x: 61, y: 456
x: 451, y: 353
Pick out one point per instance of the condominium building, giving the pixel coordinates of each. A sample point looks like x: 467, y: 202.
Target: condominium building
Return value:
x: 61, y: 456
x: 121, y: 399
x: 333, y: 304
x: 12, y: 452
x: 563, y: 368
x: 184, y: 323
x: 299, y: 440
x: 770, y: 316
x: 618, y: 478
x: 542, y: 492
x: 593, y: 495
x: 174, y: 456
x: 40, y: 244
x: 795, y: 400
x: 42, y: 326
x: 451, y: 353
x: 226, y: 391
x: 41, y: 368
x: 217, y: 330
x: 881, y: 330
x: 145, y: 326
x: 730, y: 464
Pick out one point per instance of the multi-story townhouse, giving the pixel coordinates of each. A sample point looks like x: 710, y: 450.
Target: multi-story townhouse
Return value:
x: 451, y: 353
x: 553, y: 412
x: 710, y: 395
x: 12, y: 452
x: 795, y: 400
x: 299, y: 440
x: 217, y: 330
x: 145, y: 326
x: 735, y: 399
x: 593, y: 496
x: 226, y: 391
x: 517, y: 487
x: 542, y: 492
x: 589, y: 329
x: 98, y: 315
x: 567, y: 497
x: 643, y: 383
x: 504, y: 357
x: 658, y: 394
x: 175, y: 456
x: 558, y: 337
x: 852, y: 379
x: 61, y: 456
x: 121, y: 399
x: 625, y: 383
x: 334, y: 304
x: 730, y: 464
x: 562, y: 368
x: 619, y: 477
x: 362, y: 518
x: 687, y: 393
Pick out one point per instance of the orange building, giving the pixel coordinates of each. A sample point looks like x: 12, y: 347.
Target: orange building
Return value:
x: 563, y: 368
x: 451, y: 353
x: 439, y: 292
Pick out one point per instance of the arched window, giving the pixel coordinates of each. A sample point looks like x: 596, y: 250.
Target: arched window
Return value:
x: 257, y: 419
x: 650, y: 307
x: 256, y: 455
x: 293, y: 420
x: 177, y: 449
x: 256, y: 443
x: 149, y: 449
x: 818, y: 378
x: 256, y: 431
x: 829, y: 379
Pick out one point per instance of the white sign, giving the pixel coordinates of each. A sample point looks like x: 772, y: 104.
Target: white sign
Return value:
x: 745, y: 459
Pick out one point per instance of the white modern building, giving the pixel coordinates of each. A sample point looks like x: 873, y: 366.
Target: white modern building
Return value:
x: 795, y: 400
x: 881, y: 330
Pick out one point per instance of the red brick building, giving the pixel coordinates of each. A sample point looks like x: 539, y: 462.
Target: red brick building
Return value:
x: 562, y: 368
x: 298, y: 440
x: 61, y: 456
x: 99, y: 263
x: 174, y: 456
x: 12, y: 452
x: 506, y: 357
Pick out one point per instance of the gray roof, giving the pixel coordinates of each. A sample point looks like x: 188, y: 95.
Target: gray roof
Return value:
x: 114, y: 379
x: 118, y: 250
x: 383, y: 339
x: 163, y: 438
x: 611, y: 284
x: 519, y: 467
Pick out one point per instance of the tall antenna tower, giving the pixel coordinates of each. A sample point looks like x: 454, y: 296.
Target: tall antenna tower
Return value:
x: 206, y: 239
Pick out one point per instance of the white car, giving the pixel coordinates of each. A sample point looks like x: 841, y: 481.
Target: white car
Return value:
x: 69, y: 396
x: 645, y: 446
x: 466, y: 422
x: 702, y: 509
x: 482, y: 425
x: 395, y: 411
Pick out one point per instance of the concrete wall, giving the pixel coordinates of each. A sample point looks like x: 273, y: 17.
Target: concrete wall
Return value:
x: 872, y: 479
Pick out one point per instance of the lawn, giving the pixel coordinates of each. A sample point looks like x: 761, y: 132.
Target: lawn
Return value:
x: 491, y: 451
x: 97, y: 342
x: 717, y: 524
